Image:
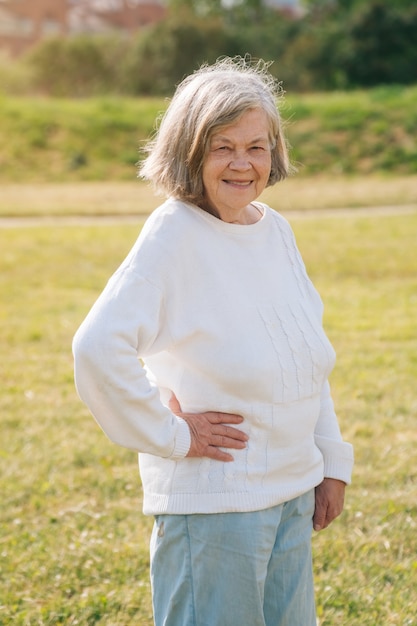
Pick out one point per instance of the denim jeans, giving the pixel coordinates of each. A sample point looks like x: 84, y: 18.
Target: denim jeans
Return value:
x: 235, y: 569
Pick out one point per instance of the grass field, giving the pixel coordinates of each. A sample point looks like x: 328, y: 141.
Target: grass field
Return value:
x: 73, y: 541
x: 137, y: 198
x: 340, y: 133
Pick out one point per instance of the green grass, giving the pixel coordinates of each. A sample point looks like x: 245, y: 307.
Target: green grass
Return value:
x: 357, y: 132
x: 367, y: 273
x: 47, y: 139
x: 73, y: 541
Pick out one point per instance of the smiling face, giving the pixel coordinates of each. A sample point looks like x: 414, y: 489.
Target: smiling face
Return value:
x: 237, y: 166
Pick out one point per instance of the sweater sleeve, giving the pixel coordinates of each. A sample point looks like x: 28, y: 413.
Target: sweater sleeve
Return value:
x: 125, y: 323
x: 337, y: 454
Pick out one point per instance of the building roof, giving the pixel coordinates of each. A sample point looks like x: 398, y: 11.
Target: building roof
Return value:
x: 23, y: 23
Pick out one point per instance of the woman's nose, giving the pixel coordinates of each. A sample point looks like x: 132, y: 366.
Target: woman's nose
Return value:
x: 240, y: 162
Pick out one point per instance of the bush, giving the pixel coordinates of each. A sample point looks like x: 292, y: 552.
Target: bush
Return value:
x: 16, y: 77
x: 80, y: 66
x: 383, y: 48
x: 163, y: 55
x: 336, y: 45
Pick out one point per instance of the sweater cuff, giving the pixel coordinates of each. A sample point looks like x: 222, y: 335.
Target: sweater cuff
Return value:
x: 337, y: 457
x: 182, y: 440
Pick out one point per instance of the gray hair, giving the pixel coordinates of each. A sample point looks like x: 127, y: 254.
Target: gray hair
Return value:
x: 213, y: 97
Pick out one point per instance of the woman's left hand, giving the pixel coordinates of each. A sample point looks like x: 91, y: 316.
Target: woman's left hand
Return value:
x: 330, y: 496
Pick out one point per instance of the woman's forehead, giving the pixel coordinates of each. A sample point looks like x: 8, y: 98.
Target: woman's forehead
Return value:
x: 253, y: 124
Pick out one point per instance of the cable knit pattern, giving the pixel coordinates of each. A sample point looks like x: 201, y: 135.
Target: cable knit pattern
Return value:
x: 224, y: 316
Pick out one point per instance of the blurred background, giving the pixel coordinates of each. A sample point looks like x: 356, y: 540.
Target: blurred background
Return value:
x: 137, y: 47
x: 75, y: 76
x: 81, y: 84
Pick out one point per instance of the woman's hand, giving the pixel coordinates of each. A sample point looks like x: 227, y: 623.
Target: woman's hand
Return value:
x: 210, y: 432
x: 330, y: 495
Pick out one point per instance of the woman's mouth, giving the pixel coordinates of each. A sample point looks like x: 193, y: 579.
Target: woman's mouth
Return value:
x: 239, y: 183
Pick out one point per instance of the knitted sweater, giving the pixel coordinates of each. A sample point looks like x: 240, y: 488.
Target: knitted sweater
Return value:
x: 225, y: 316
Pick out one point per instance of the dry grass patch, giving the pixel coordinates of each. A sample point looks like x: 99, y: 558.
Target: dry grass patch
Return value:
x: 336, y: 192
x: 137, y: 198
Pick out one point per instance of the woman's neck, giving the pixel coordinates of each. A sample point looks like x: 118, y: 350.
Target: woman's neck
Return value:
x: 249, y: 214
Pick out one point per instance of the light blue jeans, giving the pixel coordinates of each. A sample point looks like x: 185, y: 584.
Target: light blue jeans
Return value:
x: 235, y: 569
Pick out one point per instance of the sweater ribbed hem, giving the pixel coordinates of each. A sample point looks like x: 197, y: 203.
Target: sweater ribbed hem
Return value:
x: 235, y: 502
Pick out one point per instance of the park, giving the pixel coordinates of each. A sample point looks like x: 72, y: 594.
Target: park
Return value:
x: 73, y: 539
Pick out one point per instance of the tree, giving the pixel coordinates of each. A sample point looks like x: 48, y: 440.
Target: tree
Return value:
x: 176, y: 47
x: 383, y: 48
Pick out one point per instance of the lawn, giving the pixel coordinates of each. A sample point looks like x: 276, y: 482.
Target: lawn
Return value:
x: 73, y: 541
x: 133, y: 198
x: 95, y: 139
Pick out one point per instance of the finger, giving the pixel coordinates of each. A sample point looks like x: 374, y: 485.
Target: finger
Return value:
x: 227, y: 442
x: 319, y: 518
x: 174, y: 405
x: 212, y: 452
x: 229, y: 431
x: 215, y: 417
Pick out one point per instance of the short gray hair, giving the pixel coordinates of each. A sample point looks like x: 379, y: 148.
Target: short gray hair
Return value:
x: 213, y: 97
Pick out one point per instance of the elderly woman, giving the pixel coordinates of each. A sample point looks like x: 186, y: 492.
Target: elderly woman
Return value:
x: 206, y: 354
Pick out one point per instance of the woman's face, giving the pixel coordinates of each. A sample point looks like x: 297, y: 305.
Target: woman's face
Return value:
x: 237, y: 165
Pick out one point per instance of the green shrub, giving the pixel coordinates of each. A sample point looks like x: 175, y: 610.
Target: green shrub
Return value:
x: 16, y: 77
x: 80, y: 66
x: 335, y: 45
x: 163, y: 55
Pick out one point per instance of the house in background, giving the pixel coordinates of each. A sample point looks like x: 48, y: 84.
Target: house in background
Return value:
x: 23, y: 23
x: 291, y: 8
x: 98, y: 16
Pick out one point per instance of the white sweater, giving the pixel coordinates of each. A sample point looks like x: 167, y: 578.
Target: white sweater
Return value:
x: 224, y: 316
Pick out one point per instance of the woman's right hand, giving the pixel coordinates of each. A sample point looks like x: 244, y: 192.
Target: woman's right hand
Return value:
x: 211, y: 431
